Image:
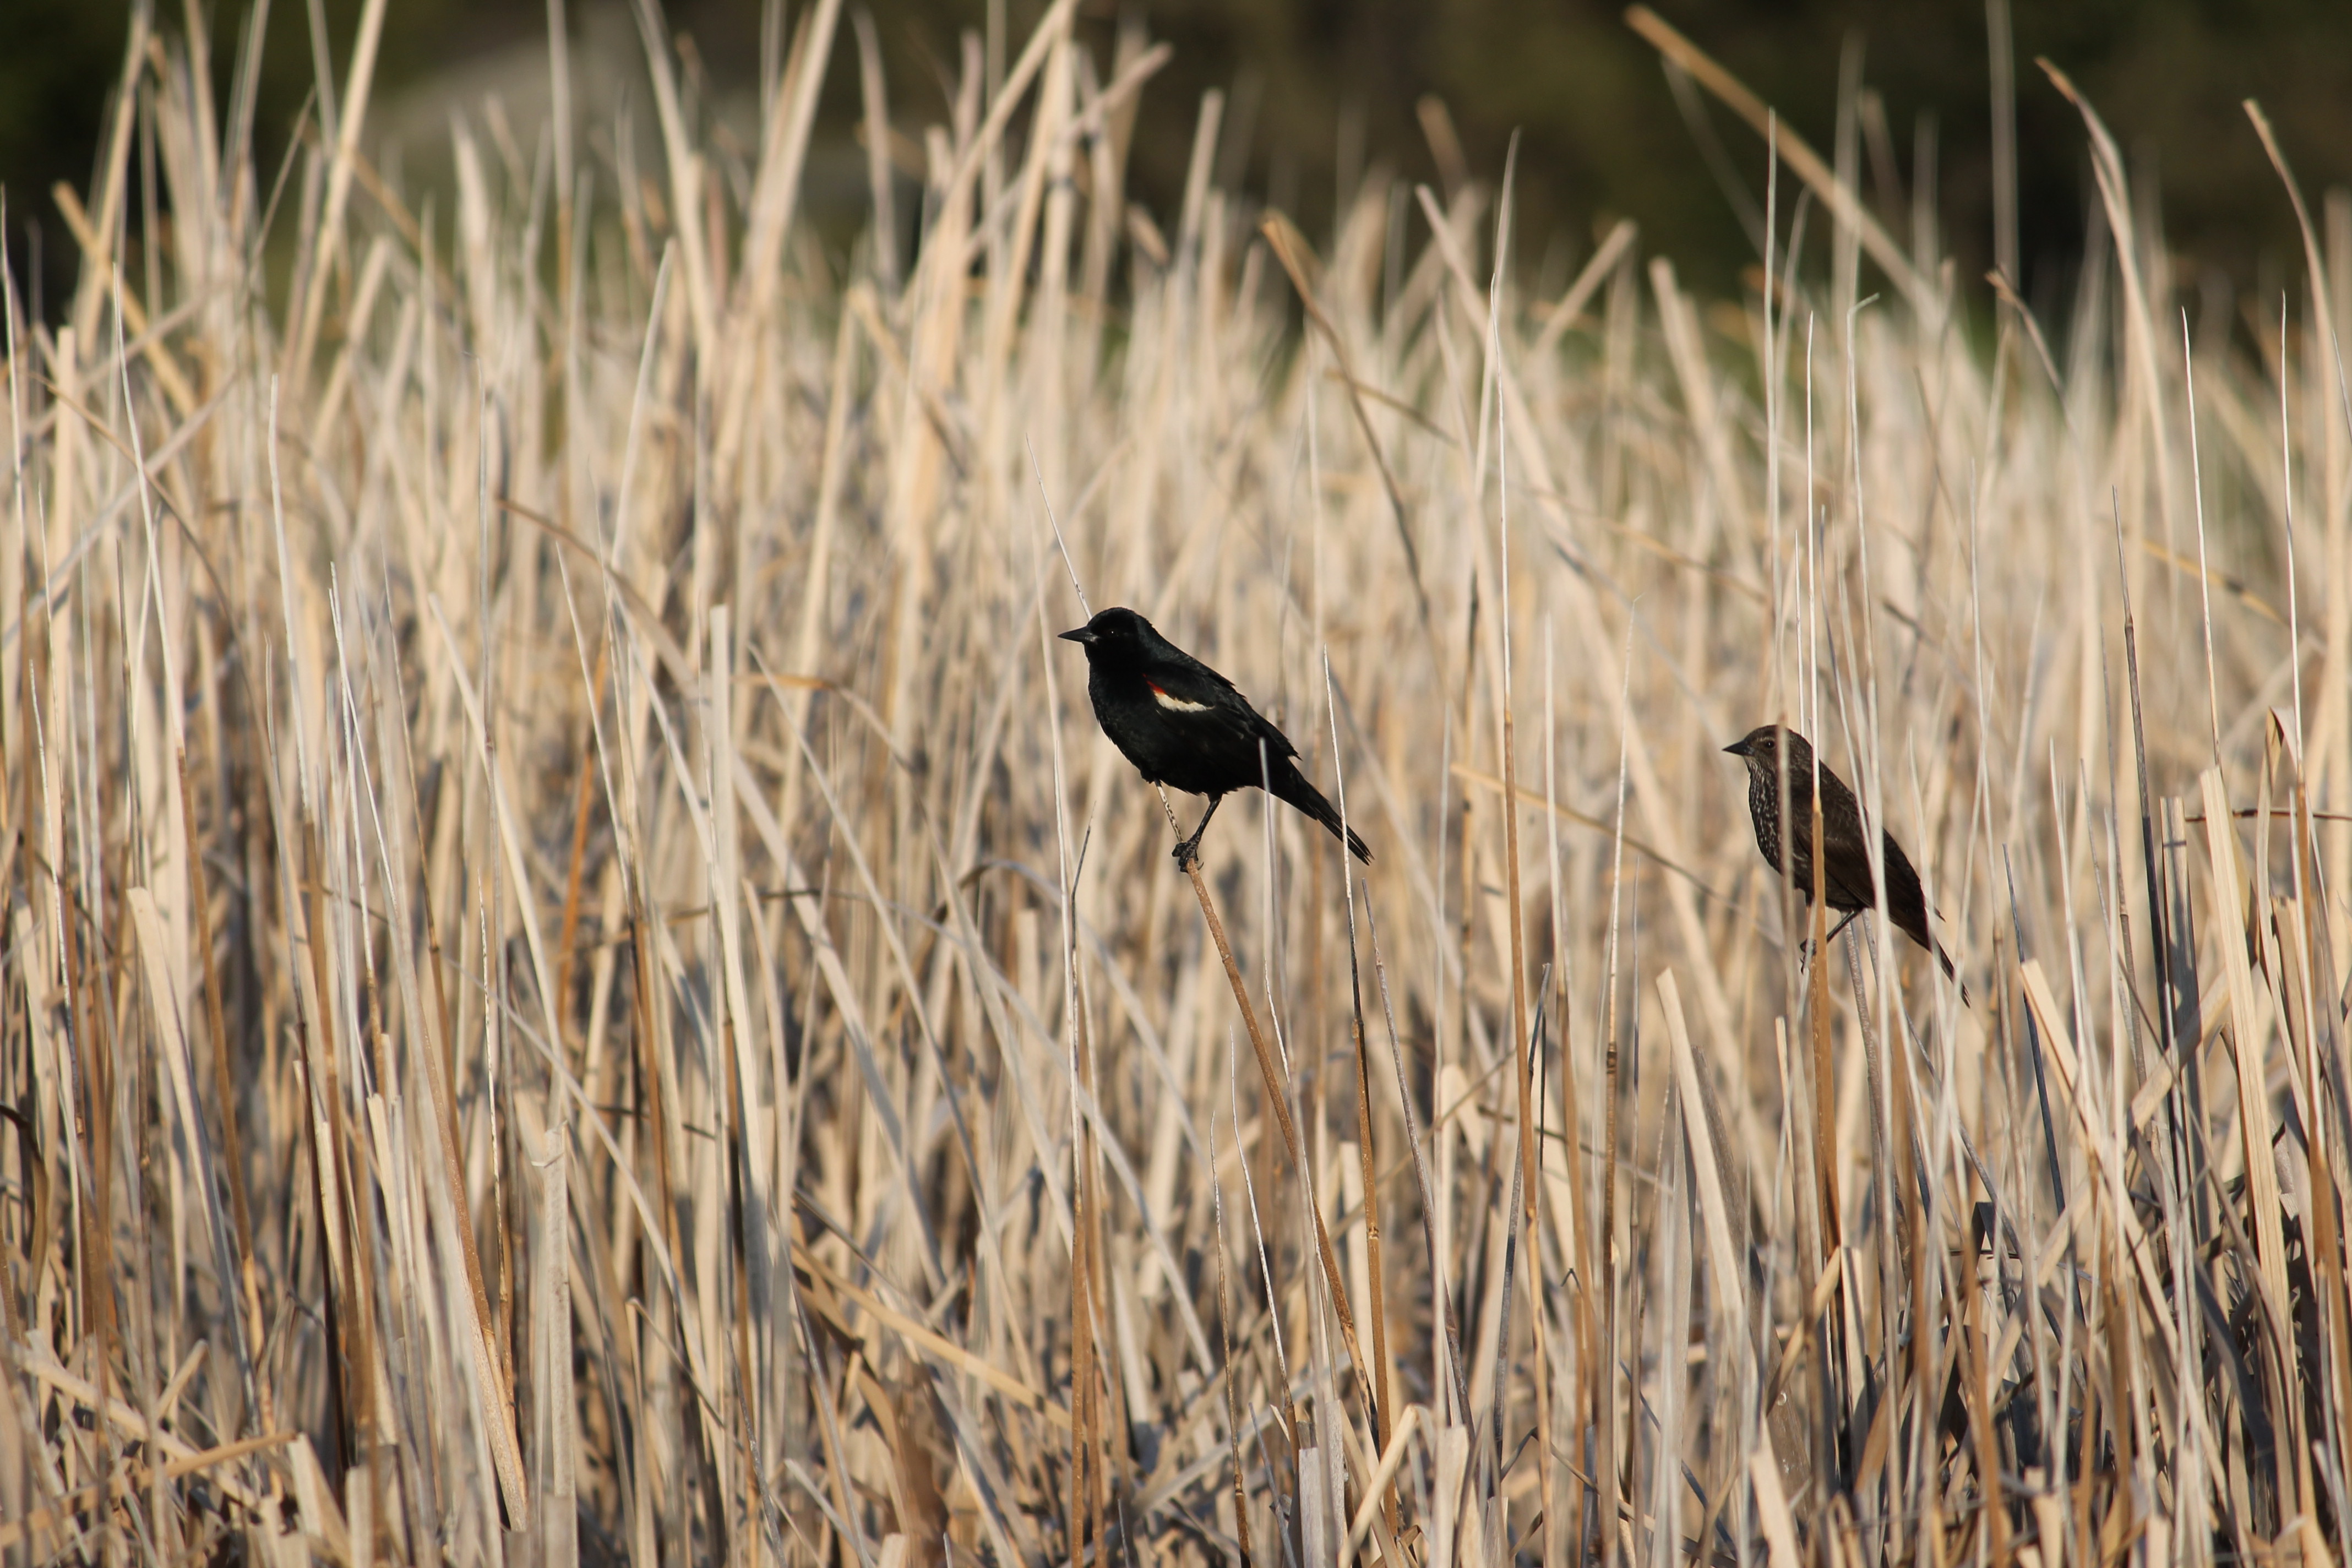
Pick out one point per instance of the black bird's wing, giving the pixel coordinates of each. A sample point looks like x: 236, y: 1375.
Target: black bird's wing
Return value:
x: 1187, y: 681
x: 1183, y: 688
x: 1277, y: 744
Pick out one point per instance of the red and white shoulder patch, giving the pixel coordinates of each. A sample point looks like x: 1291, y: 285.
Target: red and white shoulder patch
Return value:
x: 1176, y: 704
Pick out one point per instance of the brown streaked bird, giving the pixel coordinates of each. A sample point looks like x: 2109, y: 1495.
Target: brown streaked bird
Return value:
x: 1846, y: 881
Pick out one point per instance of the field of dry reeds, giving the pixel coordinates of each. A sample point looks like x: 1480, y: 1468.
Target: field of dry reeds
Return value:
x: 580, y: 983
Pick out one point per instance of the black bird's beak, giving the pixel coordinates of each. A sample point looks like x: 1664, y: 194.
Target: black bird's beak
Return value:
x: 1079, y: 634
x: 1737, y: 748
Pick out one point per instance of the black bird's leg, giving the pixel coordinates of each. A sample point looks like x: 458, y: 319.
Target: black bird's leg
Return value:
x: 1188, y: 851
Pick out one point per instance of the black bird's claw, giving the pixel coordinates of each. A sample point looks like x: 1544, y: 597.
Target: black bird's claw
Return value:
x: 1187, y: 855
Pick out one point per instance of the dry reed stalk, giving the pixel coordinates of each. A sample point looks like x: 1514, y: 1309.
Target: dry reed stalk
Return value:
x: 1278, y: 1096
x: 1382, y: 1386
x: 824, y: 1131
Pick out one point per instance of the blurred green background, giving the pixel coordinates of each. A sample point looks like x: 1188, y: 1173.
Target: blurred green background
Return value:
x: 1320, y: 89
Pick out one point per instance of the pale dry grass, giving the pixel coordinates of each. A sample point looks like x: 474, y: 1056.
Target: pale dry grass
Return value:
x: 580, y: 981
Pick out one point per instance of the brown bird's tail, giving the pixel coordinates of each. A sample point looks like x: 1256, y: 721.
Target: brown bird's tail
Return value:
x: 1290, y: 786
x: 1930, y: 944
x: 1951, y: 973
x: 1913, y: 924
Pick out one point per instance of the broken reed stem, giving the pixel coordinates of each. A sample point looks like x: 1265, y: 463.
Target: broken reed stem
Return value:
x: 1074, y: 1512
x: 1099, y: 1390
x: 1382, y: 1409
x: 1274, y: 1086
x: 1831, y: 1230
x: 584, y: 805
x: 1604, y: 1385
x: 95, y: 1295
x: 332, y: 1164
x: 1879, y: 1086
x: 224, y: 1086
x: 1083, y: 1412
x: 1524, y: 1048
x: 1226, y: 1333
x: 1088, y: 1463
x: 135, y: 1478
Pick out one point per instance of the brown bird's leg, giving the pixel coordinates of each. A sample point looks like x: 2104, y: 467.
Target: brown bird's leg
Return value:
x: 1805, y: 948
x: 1185, y: 853
x: 1850, y: 916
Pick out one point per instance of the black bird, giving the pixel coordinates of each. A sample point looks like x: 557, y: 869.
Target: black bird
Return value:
x: 1183, y: 724
x: 1845, y: 871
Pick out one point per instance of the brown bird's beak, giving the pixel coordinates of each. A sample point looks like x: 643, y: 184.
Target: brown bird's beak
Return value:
x: 1737, y: 748
x: 1079, y: 634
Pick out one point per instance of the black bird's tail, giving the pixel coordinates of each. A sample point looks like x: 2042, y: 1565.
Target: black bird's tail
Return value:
x: 1290, y: 786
